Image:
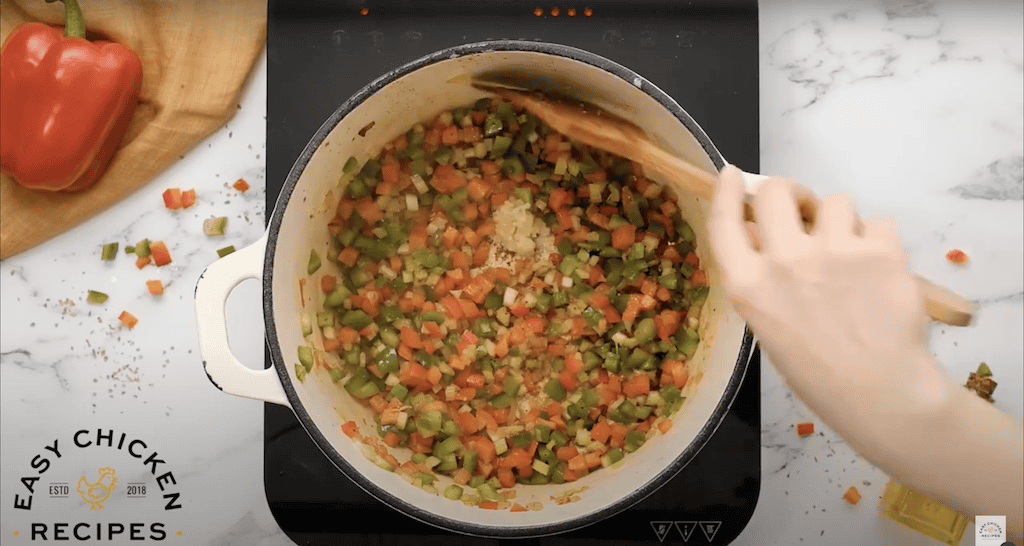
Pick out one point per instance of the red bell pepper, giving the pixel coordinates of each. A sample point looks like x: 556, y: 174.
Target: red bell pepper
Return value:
x: 65, y: 103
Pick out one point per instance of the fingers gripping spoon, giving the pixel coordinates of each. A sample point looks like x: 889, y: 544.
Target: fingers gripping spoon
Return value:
x: 595, y: 127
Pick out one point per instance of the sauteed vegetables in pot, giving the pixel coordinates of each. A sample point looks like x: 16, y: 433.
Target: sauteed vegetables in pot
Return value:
x: 514, y: 307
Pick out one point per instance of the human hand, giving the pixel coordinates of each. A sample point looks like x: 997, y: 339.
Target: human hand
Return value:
x: 838, y: 312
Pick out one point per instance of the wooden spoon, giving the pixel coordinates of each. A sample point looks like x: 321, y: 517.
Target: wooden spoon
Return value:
x: 596, y: 127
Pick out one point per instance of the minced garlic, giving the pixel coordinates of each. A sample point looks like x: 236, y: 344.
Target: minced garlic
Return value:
x: 519, y: 235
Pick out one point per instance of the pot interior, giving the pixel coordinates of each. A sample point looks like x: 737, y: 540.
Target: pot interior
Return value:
x: 389, y: 107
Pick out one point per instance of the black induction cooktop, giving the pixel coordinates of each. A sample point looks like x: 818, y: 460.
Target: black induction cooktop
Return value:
x: 702, y: 53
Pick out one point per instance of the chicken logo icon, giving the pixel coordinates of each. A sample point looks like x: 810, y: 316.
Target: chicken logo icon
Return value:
x: 97, y: 493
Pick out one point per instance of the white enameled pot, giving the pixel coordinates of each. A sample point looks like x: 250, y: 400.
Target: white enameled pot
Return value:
x: 417, y: 92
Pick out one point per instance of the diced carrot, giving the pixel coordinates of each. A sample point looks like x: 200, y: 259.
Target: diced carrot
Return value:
x: 410, y: 338
x: 592, y: 460
x: 469, y: 309
x: 155, y: 287
x: 667, y: 323
x: 637, y: 385
x: 391, y: 439
x: 481, y: 254
x: 805, y: 429
x: 434, y: 375
x: 485, y: 449
x: 672, y: 255
x: 460, y: 260
x: 161, y: 256
x: 624, y: 236
x: 128, y: 319
x: 558, y: 198
x: 574, y: 363
x: 600, y: 432
x: 488, y: 505
x: 369, y: 211
x: 345, y: 208
x: 452, y: 307
x: 566, y: 453
x: 567, y: 379
x: 240, y: 185
x: 141, y: 261
x: 665, y: 425
x: 348, y: 256
x: 412, y: 374
x: 347, y: 335
x: 467, y: 340
x: 699, y: 278
x: 450, y: 135
x: 418, y: 237
x: 432, y: 137
x: 472, y: 133
x: 188, y: 198
x: 577, y: 463
x: 505, y: 477
x: 172, y: 198
x: 478, y: 189
x: 516, y: 507
x: 692, y: 260
x: 852, y: 496
x: 420, y: 443
x: 405, y: 352
x: 331, y: 344
x: 328, y: 283
x: 350, y: 429
x: 461, y: 476
x: 673, y: 372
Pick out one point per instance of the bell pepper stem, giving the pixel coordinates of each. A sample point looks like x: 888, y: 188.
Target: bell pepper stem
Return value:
x: 74, y: 21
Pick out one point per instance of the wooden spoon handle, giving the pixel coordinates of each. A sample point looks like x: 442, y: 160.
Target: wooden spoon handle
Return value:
x: 942, y: 304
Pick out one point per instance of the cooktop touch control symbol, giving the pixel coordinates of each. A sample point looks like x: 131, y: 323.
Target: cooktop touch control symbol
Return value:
x: 661, y: 529
x: 710, y: 528
x: 686, y: 529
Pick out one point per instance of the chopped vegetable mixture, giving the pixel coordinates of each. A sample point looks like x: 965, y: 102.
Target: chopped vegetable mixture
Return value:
x: 513, y: 306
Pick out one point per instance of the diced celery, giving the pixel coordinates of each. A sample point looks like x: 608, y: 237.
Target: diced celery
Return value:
x: 109, y: 251
x: 306, y: 357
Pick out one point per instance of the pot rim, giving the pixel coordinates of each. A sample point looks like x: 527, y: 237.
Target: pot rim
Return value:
x: 395, y: 501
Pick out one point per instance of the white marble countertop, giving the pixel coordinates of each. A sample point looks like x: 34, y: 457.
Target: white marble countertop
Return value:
x: 914, y: 107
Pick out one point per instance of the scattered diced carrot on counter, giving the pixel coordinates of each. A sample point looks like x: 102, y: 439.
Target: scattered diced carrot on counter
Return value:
x: 188, y: 198
x: 156, y: 287
x: 957, y: 256
x: 852, y: 496
x: 142, y: 261
x: 172, y: 198
x: 805, y: 429
x: 128, y: 319
x: 161, y: 256
x: 240, y: 185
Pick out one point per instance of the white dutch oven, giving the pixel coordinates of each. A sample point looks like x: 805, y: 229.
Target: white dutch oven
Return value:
x: 417, y: 92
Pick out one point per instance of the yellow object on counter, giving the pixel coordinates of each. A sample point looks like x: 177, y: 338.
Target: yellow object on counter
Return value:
x: 923, y: 514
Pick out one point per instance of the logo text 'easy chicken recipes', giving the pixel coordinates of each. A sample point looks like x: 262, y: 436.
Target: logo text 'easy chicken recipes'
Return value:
x: 64, y: 477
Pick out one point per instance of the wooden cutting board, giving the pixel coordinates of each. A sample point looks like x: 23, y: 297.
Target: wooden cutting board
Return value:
x: 196, y: 56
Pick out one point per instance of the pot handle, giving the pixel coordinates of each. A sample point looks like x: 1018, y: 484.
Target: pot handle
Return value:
x: 212, y: 291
